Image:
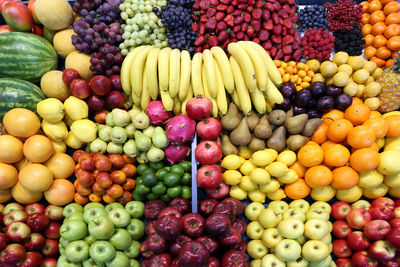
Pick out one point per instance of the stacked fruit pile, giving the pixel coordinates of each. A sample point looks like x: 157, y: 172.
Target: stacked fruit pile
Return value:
x: 299, y: 74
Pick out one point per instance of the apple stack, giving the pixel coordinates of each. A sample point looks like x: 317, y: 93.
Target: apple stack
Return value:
x: 367, y: 234
x: 95, y: 235
x: 31, y: 233
x: 295, y: 234
x: 177, y: 237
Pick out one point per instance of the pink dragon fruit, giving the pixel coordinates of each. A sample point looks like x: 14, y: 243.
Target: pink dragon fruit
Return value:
x: 157, y: 113
x: 180, y: 129
x: 177, y: 153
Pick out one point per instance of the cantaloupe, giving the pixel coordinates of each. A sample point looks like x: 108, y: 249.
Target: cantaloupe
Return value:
x: 54, y: 14
x: 63, y: 43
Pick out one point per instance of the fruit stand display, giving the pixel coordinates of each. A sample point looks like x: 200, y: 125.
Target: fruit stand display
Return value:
x: 199, y: 133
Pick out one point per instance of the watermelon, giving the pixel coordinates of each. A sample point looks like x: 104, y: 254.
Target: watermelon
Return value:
x: 26, y: 56
x: 16, y: 93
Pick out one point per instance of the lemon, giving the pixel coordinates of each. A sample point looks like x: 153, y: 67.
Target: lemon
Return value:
x: 372, y: 89
x: 376, y: 192
x: 370, y: 179
x: 287, y: 156
x: 328, y: 69
x: 232, y: 177
x: 318, y: 78
x: 370, y: 66
x: 255, y: 263
x: 257, y: 196
x: 370, y: 80
x: 272, y: 186
x: 247, y: 184
x: 377, y: 72
x: 273, y: 152
x: 262, y: 158
x: 313, y: 64
x: 361, y: 76
x: 277, y: 169
x: 351, y: 89
x: 360, y: 92
x: 260, y: 176
x: 277, y: 195
x: 232, y: 162
x: 350, y: 195
x: 289, y: 177
x: 341, y: 79
x: 247, y: 167
x: 345, y: 68
x: 325, y: 193
x: 390, y: 162
x: 372, y: 102
x: 392, y: 180
x: 237, y: 192
x: 356, y: 62
x: 340, y: 58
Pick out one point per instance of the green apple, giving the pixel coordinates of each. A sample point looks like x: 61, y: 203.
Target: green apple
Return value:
x: 272, y: 260
x: 300, y: 204
x: 288, y: 250
x: 93, y: 212
x: 291, y: 228
x: 254, y: 230
x: 317, y: 213
x: 63, y: 242
x: 269, y: 218
x: 77, y: 216
x: 73, y: 230
x: 61, y: 249
x: 278, y: 205
x: 120, y: 260
x: 93, y: 204
x: 101, y: 228
x: 121, y: 239
x: 114, y: 205
x: 133, y: 250
x: 136, y: 229
x: 271, y: 237
x: 256, y: 249
x: 316, y: 229
x: 90, y: 239
x: 91, y: 263
x: 134, y: 263
x: 301, y: 240
x: 119, y: 217
x: 253, y: 210
x: 73, y: 207
x: 315, y: 250
x: 63, y: 262
x: 135, y: 209
x: 101, y: 251
x: 294, y: 213
x: 324, y: 263
x: 255, y: 263
x: 327, y: 239
x: 323, y: 205
x: 300, y: 262
x: 361, y: 204
x: 77, y: 251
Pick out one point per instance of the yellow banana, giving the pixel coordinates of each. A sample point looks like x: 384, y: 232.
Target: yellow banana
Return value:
x: 273, y: 71
x: 174, y: 72
x: 235, y: 99
x: 196, y: 81
x: 242, y: 92
x: 246, y: 66
x: 163, y: 68
x: 273, y: 94
x: 167, y: 100
x: 258, y: 100
x: 187, y: 98
x: 208, y: 65
x: 391, y: 113
x: 224, y: 67
x: 136, y: 99
x: 268, y: 107
x: 260, y: 66
x: 222, y: 102
x: 186, y: 65
x: 137, y: 70
x: 145, y: 96
x: 177, y: 106
x: 126, y: 70
x: 151, y: 73
x: 207, y: 93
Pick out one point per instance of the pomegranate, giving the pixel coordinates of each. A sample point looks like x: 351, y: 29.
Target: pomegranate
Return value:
x: 208, y: 153
x: 199, y: 107
x: 209, y: 177
x: 209, y: 128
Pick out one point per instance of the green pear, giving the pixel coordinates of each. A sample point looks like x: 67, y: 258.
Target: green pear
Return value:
x: 159, y: 138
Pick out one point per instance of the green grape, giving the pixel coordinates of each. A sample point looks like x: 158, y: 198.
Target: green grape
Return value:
x: 124, y: 52
x: 124, y: 15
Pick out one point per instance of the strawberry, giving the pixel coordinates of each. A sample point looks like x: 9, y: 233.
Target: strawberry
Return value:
x: 238, y: 20
x: 247, y: 17
x: 211, y: 24
x: 241, y: 6
x: 214, y: 2
x: 287, y: 49
x: 236, y: 29
x: 276, y: 39
x: 222, y: 36
x: 211, y: 12
x: 288, y: 39
x: 240, y: 35
x: 230, y: 9
x: 257, y: 13
x: 244, y: 27
x: 229, y: 20
x: 279, y: 55
x: 263, y: 35
x: 268, y: 25
x: 250, y: 32
x: 202, y: 29
x: 222, y: 7
x: 213, y: 40
x: 256, y: 40
x: 200, y: 40
x: 277, y: 30
x: 204, y: 4
x: 225, y: 2
x: 256, y: 24
x: 219, y: 16
x: 259, y: 4
x: 249, y: 9
x: 266, y: 14
x: 237, y: 12
x: 195, y: 27
x: 221, y: 25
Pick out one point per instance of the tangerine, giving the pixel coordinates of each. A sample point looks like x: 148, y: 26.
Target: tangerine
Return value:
x: 378, y: 28
x: 357, y: 114
x: 393, y: 126
x: 379, y: 125
x: 392, y: 30
x: 392, y: 7
x: 344, y: 178
x: 338, y: 130
x: 361, y: 137
x: 318, y: 176
x: 297, y: 190
x: 379, y: 40
x: 369, y: 52
x: 311, y: 154
x: 319, y: 135
x: 299, y: 169
x: 374, y: 5
x: 377, y: 16
x: 364, y: 160
x: 336, y: 155
x: 369, y: 39
x: 383, y: 52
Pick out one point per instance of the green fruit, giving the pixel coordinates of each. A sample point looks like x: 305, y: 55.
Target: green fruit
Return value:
x: 186, y: 165
x: 166, y: 198
x: 149, y: 179
x: 186, y: 192
x: 177, y: 169
x: 156, y: 165
x: 142, y: 189
x: 161, y: 173
x: 172, y: 179
x: 153, y: 196
x: 141, y: 169
x: 175, y: 191
x: 137, y: 197
x: 159, y: 188
x: 186, y: 179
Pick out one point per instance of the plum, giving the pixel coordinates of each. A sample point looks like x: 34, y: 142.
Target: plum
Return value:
x: 333, y: 90
x: 343, y: 101
x: 317, y: 89
x: 325, y: 103
x: 302, y: 97
x: 287, y: 89
x: 285, y: 105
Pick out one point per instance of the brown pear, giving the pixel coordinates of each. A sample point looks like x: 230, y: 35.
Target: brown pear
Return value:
x: 295, y: 142
x: 231, y: 119
x: 277, y: 117
x: 252, y: 120
x: 263, y: 129
x: 278, y: 139
x: 256, y: 144
x: 289, y: 113
x: 227, y: 147
x: 310, y: 127
x: 295, y: 125
x: 241, y: 135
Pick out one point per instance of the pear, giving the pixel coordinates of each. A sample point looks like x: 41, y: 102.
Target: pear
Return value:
x: 85, y: 130
x: 155, y: 154
x: 56, y: 131
x: 143, y: 142
x: 289, y: 113
x: 295, y: 142
x: 129, y: 148
x: 278, y: 139
x: 142, y: 157
x: 51, y: 109
x: 295, y: 125
x: 310, y: 126
x: 133, y: 112
x: 149, y: 131
x: 120, y: 117
x: 227, y: 147
x: 105, y: 133
x: 141, y: 120
x: 130, y: 130
x: 76, y: 108
x: 277, y: 117
x: 256, y: 144
x: 159, y: 138
x: 263, y: 129
x: 252, y: 120
x: 241, y: 135
x: 113, y: 148
x: 98, y: 146
x: 232, y: 118
x: 110, y: 120
x: 118, y: 135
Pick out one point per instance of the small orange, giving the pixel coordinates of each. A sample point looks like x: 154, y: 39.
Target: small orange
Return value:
x: 361, y: 136
x: 379, y: 125
x: 369, y: 52
x: 379, y: 62
x: 369, y: 39
x: 375, y: 114
x: 364, y: 160
x: 297, y: 190
x: 344, y: 178
x: 318, y: 176
x: 385, y: 2
x: 334, y: 114
x: 336, y: 156
x: 374, y: 147
x: 81, y: 199
x: 374, y: 5
x: 326, y: 145
x: 394, y: 43
x: 311, y: 154
x: 319, y: 135
x: 378, y: 28
x: 392, y: 7
x: 357, y: 113
x: 393, y: 18
x: 338, y: 130
x: 365, y: 18
x: 355, y: 100
x: 383, y: 52
x: 377, y: 16
x: 364, y: 5
x: 299, y: 169
x: 379, y: 40
x: 94, y: 198
x: 394, y: 126
x: 392, y: 30
x: 366, y: 29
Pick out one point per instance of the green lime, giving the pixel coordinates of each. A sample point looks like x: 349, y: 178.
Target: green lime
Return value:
x: 139, y: 181
x: 142, y: 189
x: 152, y: 196
x: 175, y: 191
x: 172, y: 179
x: 149, y: 179
x: 186, y: 179
x: 186, y: 192
x: 166, y: 198
x: 161, y: 173
x: 159, y: 188
x: 141, y: 169
x: 177, y: 169
x: 136, y: 196
x: 168, y: 168
x: 186, y: 165
x: 156, y: 165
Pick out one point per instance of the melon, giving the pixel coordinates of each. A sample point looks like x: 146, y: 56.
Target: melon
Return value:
x: 81, y: 63
x: 63, y: 43
x: 54, y: 14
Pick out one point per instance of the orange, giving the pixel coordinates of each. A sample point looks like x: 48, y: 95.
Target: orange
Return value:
x: 78, y: 198
x: 336, y: 156
x: 393, y: 18
x: 369, y: 52
x: 299, y: 169
x: 357, y: 114
x: 383, y: 52
x: 365, y: 18
x: 374, y: 147
x: 374, y: 6
x: 8, y: 175
x: 364, y: 160
x: 377, y: 16
x: 394, y: 126
x: 38, y: 148
x: 366, y: 29
x: 385, y: 2
x: 379, y: 62
x: 297, y: 190
x: 10, y: 149
x: 378, y: 28
x: 369, y: 39
x: 379, y: 40
x: 344, y: 178
x: 318, y: 176
x: 334, y: 114
x: 21, y: 122
x: 394, y: 43
x: 311, y: 154
x: 35, y: 177
x: 319, y: 135
x: 338, y: 130
x: 364, y: 5
x: 355, y: 100
x: 392, y: 30
x: 326, y: 145
x: 60, y: 193
x: 375, y: 114
x: 361, y: 136
x: 379, y: 125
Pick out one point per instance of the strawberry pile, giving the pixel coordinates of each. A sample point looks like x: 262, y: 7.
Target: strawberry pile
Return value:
x: 269, y: 23
x: 317, y: 44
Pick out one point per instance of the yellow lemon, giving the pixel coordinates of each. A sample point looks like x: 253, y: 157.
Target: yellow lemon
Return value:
x: 247, y: 167
x: 260, y: 176
x: 262, y: 158
x: 272, y: 186
x: 370, y: 179
x: 277, y: 195
x: 376, y: 192
x: 287, y: 156
x: 392, y: 180
x: 289, y: 177
x: 350, y: 195
x: 325, y: 193
x: 232, y: 162
x: 247, y: 184
x: 232, y: 177
x: 257, y: 196
x: 237, y: 192
x: 277, y: 169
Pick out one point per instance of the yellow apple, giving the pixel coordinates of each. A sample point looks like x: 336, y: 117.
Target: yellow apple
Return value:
x: 325, y: 193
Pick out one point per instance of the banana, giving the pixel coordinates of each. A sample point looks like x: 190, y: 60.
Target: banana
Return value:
x: 174, y: 72
x: 268, y: 107
x: 137, y: 70
x: 163, y: 68
x: 187, y: 98
x: 260, y: 66
x: 242, y: 92
x: 177, y: 106
x: 246, y: 66
x: 196, y: 81
x: 391, y: 113
x: 224, y: 67
x: 136, y: 99
x: 186, y: 65
x: 258, y: 100
x: 151, y: 73
x: 208, y: 95
x: 208, y: 65
x: 167, y: 100
x: 273, y: 94
x: 235, y: 99
x: 125, y: 71
x: 222, y: 102
x: 145, y: 96
x: 273, y: 71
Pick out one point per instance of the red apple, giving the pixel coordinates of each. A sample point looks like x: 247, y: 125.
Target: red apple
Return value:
x: 381, y: 251
x: 53, y: 230
x: 115, y: 99
x: 50, y: 262
x: 382, y: 213
x: 12, y: 206
x: 357, y: 241
x: 343, y: 263
x: 15, y: 216
x: 50, y: 248
x: 100, y: 85
x: 35, y: 243
x: 341, y: 229
x: 340, y: 209
x: 358, y: 218
x: 341, y: 249
x: 3, y: 241
x: 80, y: 88
x: 393, y: 238
x: 116, y: 82
x: 37, y: 222
x: 394, y: 263
x: 54, y: 213
x: 361, y: 259
x: 397, y: 203
x: 96, y: 103
x: 34, y: 208
x: 32, y: 259
x: 376, y: 229
x: 18, y: 232
x: 396, y: 212
x: 13, y: 254
x: 69, y: 75
x: 383, y: 202
x: 100, y: 117
x: 395, y: 223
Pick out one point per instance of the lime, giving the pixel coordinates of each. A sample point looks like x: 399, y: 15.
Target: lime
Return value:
x: 186, y: 179
x: 175, y: 191
x: 172, y: 179
x: 152, y: 196
x: 186, y: 192
x: 161, y: 173
x: 177, y: 169
x: 186, y: 165
x: 159, y: 188
x: 156, y: 165
x: 141, y: 169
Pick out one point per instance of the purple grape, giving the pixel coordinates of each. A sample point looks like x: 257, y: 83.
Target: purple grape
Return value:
x: 302, y: 97
x: 285, y: 105
x: 287, y: 89
x: 317, y: 89
x: 299, y: 110
x: 343, y: 101
x: 325, y: 103
x: 333, y: 90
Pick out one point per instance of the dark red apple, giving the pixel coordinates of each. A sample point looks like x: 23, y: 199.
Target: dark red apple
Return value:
x: 207, y: 206
x: 230, y: 238
x: 53, y: 230
x: 156, y: 244
x: 343, y: 263
x: 153, y: 208
x: 208, y: 153
x: 218, y: 224
x: 176, y: 246
x: 209, y: 128
x: 171, y: 211
x: 69, y: 75
x: 35, y: 243
x: 116, y: 82
x: 37, y: 222
x: 376, y: 229
x: 168, y: 227
x: 395, y: 223
x: 199, y: 107
x: 96, y: 103
x: 227, y: 209
x: 381, y: 213
x: 145, y: 251
x: 214, y: 262
x: 237, y: 205
x: 340, y: 209
x: 34, y: 208
x: 194, y: 254
x: 13, y: 254
x: 100, y: 85
x: 394, y: 263
x: 393, y: 238
x: 242, y: 246
x: 80, y: 88
x: 357, y: 241
x: 341, y: 249
x: 181, y: 204
x: 151, y: 228
x: 381, y: 251
x: 219, y: 192
x: 50, y: 248
x: 115, y: 99
x: 361, y: 259
x: 234, y: 258
x: 3, y: 241
x: 193, y: 224
x: 160, y: 260
x: 240, y: 225
x: 33, y: 259
x: 210, y: 244
x: 341, y: 229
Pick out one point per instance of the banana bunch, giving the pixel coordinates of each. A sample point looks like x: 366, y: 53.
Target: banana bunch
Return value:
x: 249, y: 76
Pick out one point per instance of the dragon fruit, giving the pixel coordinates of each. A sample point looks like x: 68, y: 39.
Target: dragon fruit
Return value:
x: 180, y: 129
x: 177, y: 153
x: 157, y: 113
